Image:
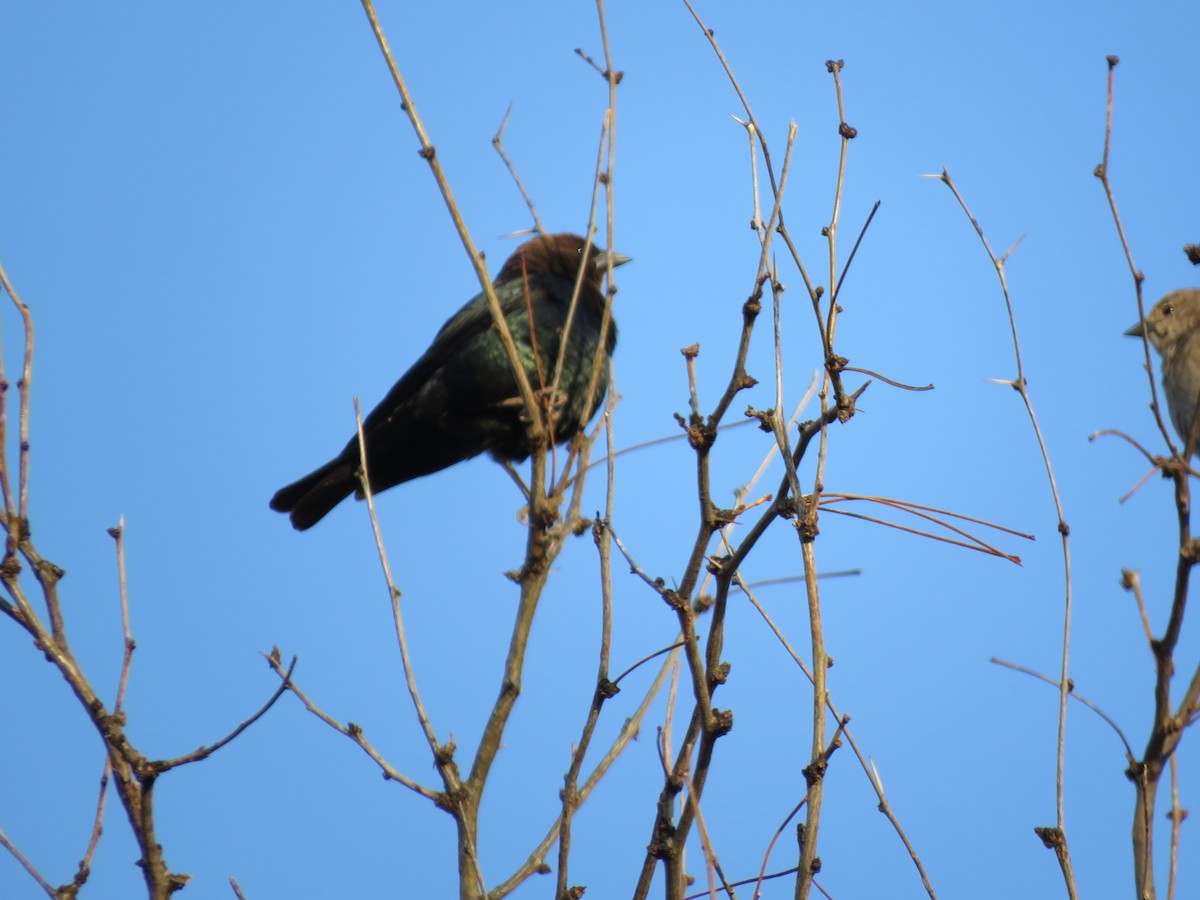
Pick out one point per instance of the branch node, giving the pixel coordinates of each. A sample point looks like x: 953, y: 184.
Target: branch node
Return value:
x: 50, y: 573
x: 719, y: 676
x: 1052, y: 838
x: 674, y: 601
x: 716, y: 564
x: 444, y: 753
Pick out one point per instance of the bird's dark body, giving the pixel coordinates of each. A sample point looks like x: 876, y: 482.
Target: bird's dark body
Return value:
x: 461, y: 398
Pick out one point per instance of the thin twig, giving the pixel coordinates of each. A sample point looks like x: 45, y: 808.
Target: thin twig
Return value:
x: 350, y: 730
x: 1074, y: 695
x: 26, y: 865
x: 755, y: 881
x: 498, y: 143
x: 604, y: 688
x: 629, y: 731
x: 545, y: 532
x: 646, y: 659
x: 886, y: 380
x: 885, y: 806
x: 410, y: 679
x: 1167, y: 724
x: 762, y: 872
x: 712, y: 865
x: 23, y: 387
x: 837, y: 290
x: 1058, y: 840
x: 1131, y: 580
x: 118, y: 535
x: 927, y: 513
x: 833, y: 363
x: 797, y: 579
x: 975, y: 543
x: 756, y: 221
x: 1176, y: 816
x: 915, y: 508
x: 10, y: 510
x: 200, y: 753
x: 581, y: 277
x: 807, y: 529
x: 669, y: 439
x: 429, y: 154
x: 85, y: 865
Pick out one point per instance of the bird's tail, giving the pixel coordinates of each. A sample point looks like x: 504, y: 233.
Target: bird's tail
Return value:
x: 313, y: 496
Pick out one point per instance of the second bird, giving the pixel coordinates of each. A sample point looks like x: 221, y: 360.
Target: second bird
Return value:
x: 1173, y: 328
x: 461, y: 398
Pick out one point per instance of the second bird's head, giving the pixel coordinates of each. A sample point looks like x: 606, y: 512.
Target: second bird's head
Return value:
x: 1175, y: 315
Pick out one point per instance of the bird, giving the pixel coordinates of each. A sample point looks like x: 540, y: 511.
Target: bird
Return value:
x: 1173, y: 328
x: 461, y: 397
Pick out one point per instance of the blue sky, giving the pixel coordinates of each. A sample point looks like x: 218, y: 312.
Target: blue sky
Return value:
x: 219, y: 219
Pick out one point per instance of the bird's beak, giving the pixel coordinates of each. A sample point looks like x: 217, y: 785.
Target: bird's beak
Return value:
x: 617, y: 259
x: 1138, y: 330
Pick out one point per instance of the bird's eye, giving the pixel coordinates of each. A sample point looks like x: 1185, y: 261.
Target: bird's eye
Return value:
x: 1167, y: 310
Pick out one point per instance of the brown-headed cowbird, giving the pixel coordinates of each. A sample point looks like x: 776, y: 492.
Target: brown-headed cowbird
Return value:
x: 461, y: 397
x: 1173, y: 327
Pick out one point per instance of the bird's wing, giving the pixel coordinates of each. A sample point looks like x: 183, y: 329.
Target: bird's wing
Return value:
x: 471, y: 324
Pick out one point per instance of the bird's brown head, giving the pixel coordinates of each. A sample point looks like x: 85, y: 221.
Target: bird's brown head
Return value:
x: 559, y: 254
x: 1175, y: 315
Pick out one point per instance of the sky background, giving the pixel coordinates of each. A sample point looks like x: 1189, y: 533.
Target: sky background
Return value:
x: 218, y: 217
